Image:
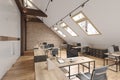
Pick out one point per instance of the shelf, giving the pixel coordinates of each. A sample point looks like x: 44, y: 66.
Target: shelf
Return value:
x: 6, y: 38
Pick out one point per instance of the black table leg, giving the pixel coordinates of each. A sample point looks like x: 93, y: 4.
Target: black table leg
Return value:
x: 89, y: 66
x: 69, y: 72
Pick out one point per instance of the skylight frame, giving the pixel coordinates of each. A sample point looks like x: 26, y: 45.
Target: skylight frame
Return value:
x: 85, y: 19
x: 56, y: 29
x: 77, y: 14
x: 65, y: 28
x: 61, y: 33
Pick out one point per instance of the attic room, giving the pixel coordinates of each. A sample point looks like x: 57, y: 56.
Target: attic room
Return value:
x: 59, y: 40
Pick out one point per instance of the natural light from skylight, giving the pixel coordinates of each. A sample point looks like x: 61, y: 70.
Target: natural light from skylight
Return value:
x: 85, y: 24
x: 88, y: 27
x: 69, y: 30
x: 61, y: 33
x: 55, y: 28
x: 78, y: 17
x: 63, y: 25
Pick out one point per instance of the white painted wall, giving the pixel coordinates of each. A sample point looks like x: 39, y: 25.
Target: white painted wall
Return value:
x: 104, y: 14
x: 9, y: 26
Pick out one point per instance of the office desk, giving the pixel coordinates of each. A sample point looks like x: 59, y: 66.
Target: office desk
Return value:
x: 77, y: 61
x: 77, y: 47
x: 117, y: 58
x: 42, y: 73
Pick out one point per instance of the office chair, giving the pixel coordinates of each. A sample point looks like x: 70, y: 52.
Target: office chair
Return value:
x: 44, y: 43
x: 111, y: 60
x: 55, y: 51
x: 97, y: 74
x: 78, y: 44
x: 71, y: 52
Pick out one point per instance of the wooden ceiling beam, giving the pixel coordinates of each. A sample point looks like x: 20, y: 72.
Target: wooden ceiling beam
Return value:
x: 28, y: 11
x: 34, y: 20
x: 34, y: 12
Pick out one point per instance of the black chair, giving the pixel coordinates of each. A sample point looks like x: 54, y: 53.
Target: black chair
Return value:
x: 97, y: 74
x: 55, y: 51
x: 78, y: 44
x: 44, y: 43
x: 116, y: 48
x: 71, y: 52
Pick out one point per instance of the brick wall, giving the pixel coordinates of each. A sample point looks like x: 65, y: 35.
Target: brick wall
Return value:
x: 39, y: 33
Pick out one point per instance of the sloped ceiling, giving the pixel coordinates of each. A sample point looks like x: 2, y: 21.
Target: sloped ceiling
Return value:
x: 104, y: 14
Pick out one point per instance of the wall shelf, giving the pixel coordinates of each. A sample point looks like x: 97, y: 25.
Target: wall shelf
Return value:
x: 6, y: 38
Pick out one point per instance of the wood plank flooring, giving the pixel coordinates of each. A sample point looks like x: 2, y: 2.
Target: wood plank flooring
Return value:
x: 23, y: 69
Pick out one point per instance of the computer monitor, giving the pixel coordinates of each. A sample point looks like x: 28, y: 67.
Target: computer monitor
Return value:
x: 50, y: 45
x: 78, y: 44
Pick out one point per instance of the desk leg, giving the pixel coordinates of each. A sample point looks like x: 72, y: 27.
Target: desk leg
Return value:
x: 83, y: 68
x: 104, y: 62
x: 69, y: 72
x: 117, y: 63
x: 94, y: 64
x: 89, y: 66
x: 60, y: 52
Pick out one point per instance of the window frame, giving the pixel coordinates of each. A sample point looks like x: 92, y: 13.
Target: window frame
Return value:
x: 57, y: 29
x: 60, y: 34
x: 66, y: 30
x: 85, y: 19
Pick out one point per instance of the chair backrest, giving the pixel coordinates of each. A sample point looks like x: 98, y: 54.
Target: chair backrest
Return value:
x: 78, y: 44
x: 44, y: 43
x: 69, y: 46
x: 55, y: 51
x: 99, y: 73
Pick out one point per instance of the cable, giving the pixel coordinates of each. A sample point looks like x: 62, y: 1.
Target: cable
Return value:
x: 82, y: 5
x: 48, y: 5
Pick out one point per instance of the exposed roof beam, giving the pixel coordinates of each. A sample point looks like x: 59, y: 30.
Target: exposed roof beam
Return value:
x: 34, y: 20
x: 7, y: 38
x: 34, y: 12
x: 28, y: 11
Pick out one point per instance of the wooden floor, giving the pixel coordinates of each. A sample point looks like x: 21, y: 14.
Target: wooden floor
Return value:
x: 23, y: 69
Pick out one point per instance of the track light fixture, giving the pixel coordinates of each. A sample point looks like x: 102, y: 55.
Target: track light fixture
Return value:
x: 82, y: 5
x: 48, y: 5
x: 69, y: 14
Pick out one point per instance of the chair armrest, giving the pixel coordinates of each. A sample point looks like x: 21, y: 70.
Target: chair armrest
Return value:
x: 83, y: 75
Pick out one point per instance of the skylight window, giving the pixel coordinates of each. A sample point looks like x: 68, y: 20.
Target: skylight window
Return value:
x: 55, y: 28
x: 63, y: 25
x: 85, y: 24
x: 88, y: 27
x: 61, y: 33
x: 78, y: 17
x: 69, y: 30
